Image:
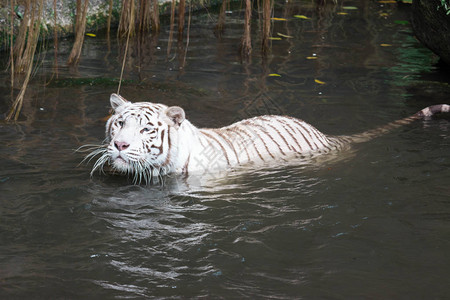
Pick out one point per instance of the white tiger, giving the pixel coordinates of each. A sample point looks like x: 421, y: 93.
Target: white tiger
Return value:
x: 147, y: 140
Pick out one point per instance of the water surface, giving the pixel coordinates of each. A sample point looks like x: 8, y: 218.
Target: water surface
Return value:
x: 372, y: 223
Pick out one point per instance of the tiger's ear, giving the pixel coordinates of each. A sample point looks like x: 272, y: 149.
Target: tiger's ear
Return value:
x: 174, y: 116
x: 117, y: 101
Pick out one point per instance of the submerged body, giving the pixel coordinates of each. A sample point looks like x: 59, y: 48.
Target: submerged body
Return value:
x: 147, y: 140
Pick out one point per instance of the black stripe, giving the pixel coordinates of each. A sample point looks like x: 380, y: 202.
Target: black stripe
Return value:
x: 241, y: 141
x: 264, y: 143
x: 292, y: 134
x: 301, y: 133
x: 148, y: 108
x: 321, y: 138
x: 282, y: 136
x: 312, y: 132
x: 307, y: 131
x: 253, y: 143
x: 221, y: 146
x: 273, y: 140
x: 221, y: 134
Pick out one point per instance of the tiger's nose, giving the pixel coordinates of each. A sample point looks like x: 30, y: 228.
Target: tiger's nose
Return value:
x: 121, y: 145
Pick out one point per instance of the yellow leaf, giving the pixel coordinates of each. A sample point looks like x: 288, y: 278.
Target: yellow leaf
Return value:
x: 311, y: 57
x: 274, y: 75
x: 301, y: 17
x: 278, y: 19
x: 319, y: 81
x: 342, y: 13
x: 275, y: 38
x: 387, y: 1
x: 285, y: 36
x: 385, y: 45
x: 91, y: 34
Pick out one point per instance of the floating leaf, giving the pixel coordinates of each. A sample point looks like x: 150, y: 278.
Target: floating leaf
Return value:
x: 384, y: 15
x: 385, y: 45
x: 274, y: 75
x: 91, y: 34
x: 350, y: 7
x: 285, y: 36
x: 319, y: 81
x: 275, y: 38
x: 301, y: 17
x: 278, y: 19
x: 311, y: 57
x: 387, y: 1
x: 342, y: 13
x: 407, y: 1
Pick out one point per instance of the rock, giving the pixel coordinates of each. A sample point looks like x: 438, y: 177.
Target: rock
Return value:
x: 431, y: 25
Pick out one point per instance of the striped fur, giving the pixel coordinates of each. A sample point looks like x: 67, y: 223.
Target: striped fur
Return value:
x: 147, y: 140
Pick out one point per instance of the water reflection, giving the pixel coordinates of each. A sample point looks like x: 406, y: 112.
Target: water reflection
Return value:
x: 157, y: 228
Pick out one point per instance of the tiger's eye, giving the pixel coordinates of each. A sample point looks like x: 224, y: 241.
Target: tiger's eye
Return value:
x: 120, y: 123
x: 147, y: 129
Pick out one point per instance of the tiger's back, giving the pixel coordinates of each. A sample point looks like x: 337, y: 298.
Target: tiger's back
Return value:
x: 260, y: 139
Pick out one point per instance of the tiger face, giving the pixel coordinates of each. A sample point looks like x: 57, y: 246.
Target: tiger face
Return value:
x: 140, y: 136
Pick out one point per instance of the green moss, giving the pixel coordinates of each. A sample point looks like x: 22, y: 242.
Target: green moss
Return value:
x: 108, y: 82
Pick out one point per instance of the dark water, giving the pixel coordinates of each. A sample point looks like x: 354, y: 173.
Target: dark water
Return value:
x: 373, y: 223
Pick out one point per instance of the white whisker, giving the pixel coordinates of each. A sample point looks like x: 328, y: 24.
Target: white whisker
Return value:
x: 89, y: 147
x: 94, y: 151
x: 99, y: 164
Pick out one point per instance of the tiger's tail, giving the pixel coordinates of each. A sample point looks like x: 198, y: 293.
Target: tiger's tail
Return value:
x: 423, y: 114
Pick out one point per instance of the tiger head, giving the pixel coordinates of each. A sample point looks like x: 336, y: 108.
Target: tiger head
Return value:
x: 140, y: 138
